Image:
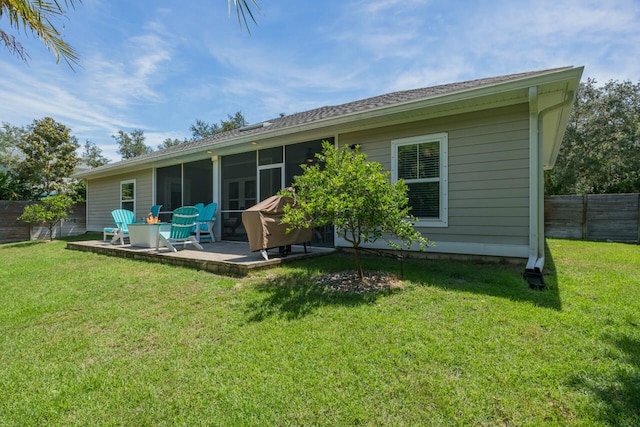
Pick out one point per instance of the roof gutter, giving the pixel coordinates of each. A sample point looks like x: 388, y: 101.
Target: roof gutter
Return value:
x: 535, y: 263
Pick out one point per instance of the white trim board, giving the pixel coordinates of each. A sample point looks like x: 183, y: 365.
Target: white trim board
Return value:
x: 459, y: 248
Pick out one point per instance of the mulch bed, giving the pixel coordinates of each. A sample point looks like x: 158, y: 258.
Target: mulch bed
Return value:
x: 349, y: 282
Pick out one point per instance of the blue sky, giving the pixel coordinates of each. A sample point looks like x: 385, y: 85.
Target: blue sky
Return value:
x: 158, y: 65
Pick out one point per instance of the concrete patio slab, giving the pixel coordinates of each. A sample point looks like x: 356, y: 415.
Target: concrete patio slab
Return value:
x: 224, y: 257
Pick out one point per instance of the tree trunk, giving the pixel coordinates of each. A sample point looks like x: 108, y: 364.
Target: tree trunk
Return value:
x: 356, y: 253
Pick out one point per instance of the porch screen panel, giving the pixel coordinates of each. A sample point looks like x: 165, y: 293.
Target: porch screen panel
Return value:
x: 298, y: 154
x: 270, y: 156
x: 169, y: 189
x: 197, y: 185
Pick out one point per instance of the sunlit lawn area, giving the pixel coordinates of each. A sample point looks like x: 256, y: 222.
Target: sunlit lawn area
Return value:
x: 87, y: 339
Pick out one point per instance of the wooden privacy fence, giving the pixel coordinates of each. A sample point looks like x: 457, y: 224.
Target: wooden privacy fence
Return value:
x: 14, y: 230
x: 599, y: 217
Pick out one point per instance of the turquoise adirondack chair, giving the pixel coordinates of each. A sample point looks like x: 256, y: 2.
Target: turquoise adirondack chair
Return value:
x: 122, y: 218
x: 205, y: 221
x: 155, y: 210
x: 182, y: 222
x: 109, y: 232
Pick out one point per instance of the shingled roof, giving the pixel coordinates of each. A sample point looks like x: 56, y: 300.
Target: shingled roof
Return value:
x: 376, y: 102
x: 336, y: 111
x: 396, y: 98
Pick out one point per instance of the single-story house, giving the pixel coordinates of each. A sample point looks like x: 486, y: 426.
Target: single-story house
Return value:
x: 472, y: 153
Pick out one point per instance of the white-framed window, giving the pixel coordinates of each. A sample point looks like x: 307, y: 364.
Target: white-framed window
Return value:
x: 128, y: 195
x: 421, y: 161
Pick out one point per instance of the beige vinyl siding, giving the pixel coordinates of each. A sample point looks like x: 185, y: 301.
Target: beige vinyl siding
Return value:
x: 488, y: 172
x: 103, y: 196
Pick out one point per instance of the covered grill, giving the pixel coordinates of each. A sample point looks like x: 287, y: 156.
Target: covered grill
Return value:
x: 265, y: 230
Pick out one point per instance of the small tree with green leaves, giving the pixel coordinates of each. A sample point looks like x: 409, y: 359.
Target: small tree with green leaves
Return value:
x: 50, y: 211
x: 49, y: 157
x: 356, y: 196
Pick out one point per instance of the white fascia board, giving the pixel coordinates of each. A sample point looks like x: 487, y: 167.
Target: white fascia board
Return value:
x: 552, y: 143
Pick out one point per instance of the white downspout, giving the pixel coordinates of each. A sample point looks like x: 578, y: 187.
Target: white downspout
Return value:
x: 536, y: 177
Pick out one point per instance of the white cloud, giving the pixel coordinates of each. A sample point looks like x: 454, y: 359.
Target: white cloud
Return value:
x: 270, y: 83
x: 39, y: 96
x: 375, y: 7
x: 383, y: 28
x: 133, y: 77
x: 552, y: 33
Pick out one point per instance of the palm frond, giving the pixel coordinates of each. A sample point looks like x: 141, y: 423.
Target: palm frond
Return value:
x: 243, y: 11
x: 36, y: 16
x: 14, y: 46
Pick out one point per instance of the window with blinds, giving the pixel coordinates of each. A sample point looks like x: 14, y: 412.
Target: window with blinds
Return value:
x: 422, y: 163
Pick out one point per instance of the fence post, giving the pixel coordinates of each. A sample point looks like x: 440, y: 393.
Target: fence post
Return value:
x: 638, y: 219
x: 585, y: 208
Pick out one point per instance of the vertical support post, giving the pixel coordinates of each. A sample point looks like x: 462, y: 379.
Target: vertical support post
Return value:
x: 585, y: 216
x: 638, y: 219
x: 217, y: 225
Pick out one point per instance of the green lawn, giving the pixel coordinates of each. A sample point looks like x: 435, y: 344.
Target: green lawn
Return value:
x: 90, y: 340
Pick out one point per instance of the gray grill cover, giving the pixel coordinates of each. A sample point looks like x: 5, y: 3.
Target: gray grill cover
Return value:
x: 264, y: 230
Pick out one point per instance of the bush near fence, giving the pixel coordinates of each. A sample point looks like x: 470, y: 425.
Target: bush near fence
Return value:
x: 14, y: 230
x: 597, y: 217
